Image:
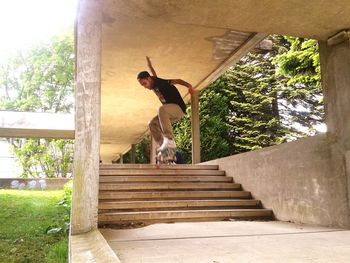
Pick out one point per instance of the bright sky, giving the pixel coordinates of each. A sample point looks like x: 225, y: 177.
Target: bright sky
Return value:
x: 27, y: 22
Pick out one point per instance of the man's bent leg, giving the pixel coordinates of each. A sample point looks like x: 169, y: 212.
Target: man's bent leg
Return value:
x: 168, y: 114
x: 156, y: 131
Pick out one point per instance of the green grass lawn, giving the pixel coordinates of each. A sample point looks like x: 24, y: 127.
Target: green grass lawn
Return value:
x: 25, y: 217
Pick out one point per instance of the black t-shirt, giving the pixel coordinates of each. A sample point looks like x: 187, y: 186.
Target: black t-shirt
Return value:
x: 167, y: 93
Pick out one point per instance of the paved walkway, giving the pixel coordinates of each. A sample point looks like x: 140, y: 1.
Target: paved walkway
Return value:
x: 221, y: 242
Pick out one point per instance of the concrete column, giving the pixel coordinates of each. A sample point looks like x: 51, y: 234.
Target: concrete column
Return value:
x: 87, y: 117
x: 153, y: 149
x: 196, y: 143
x: 133, y: 153
x: 335, y: 71
x: 121, y: 158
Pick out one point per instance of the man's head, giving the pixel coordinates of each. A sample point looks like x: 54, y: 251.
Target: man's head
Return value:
x: 145, y: 79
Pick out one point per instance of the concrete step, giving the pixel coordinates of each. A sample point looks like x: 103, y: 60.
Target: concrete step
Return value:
x: 166, y: 195
x: 183, y: 215
x: 153, y: 167
x: 168, y: 186
x: 175, y: 204
x: 150, y: 172
x: 163, y: 178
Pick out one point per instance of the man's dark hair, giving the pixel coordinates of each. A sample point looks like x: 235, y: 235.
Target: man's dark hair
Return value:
x: 143, y: 75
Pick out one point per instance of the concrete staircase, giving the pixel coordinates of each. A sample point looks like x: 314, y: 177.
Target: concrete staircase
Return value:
x: 132, y: 194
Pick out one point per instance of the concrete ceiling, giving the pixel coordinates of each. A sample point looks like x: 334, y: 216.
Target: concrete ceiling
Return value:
x: 191, y: 40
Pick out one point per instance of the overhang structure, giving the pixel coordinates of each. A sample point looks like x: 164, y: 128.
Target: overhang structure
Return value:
x: 36, y: 125
x: 192, y: 40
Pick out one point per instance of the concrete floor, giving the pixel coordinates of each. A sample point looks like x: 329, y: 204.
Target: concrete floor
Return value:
x: 219, y: 242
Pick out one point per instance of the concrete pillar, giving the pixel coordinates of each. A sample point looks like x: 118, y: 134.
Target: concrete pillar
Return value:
x: 196, y: 143
x: 335, y: 71
x: 87, y: 117
x: 153, y: 149
x: 133, y: 153
x: 121, y: 158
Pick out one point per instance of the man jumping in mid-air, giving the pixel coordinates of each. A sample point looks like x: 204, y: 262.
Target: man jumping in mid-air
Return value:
x: 172, y: 110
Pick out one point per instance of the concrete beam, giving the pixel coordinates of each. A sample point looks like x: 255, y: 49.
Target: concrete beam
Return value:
x: 232, y: 59
x: 87, y: 136
x: 264, y: 46
x: 36, y: 125
x: 339, y: 38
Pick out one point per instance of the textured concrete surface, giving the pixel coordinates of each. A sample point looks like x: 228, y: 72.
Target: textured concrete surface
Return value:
x: 87, y: 117
x: 296, y: 180
x: 90, y: 247
x: 335, y: 68
x: 221, y: 242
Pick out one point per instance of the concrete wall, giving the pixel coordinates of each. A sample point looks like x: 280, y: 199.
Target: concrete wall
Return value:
x: 302, y: 181
x: 33, y: 184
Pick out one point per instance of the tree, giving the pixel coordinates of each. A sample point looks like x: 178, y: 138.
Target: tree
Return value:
x: 254, y: 104
x: 254, y: 114
x: 41, y: 80
x: 301, y: 96
x: 142, y: 152
x: 53, y: 158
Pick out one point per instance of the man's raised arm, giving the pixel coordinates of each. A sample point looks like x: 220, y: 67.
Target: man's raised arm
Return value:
x: 149, y: 63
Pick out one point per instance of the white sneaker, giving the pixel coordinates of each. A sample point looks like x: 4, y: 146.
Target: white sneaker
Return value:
x: 167, y: 143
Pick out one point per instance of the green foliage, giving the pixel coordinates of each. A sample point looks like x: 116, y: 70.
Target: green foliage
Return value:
x: 253, y: 105
x: 66, y: 201
x: 302, y: 94
x: 44, y: 158
x: 182, y: 133
x: 251, y: 88
x: 41, y: 78
x: 142, y: 152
